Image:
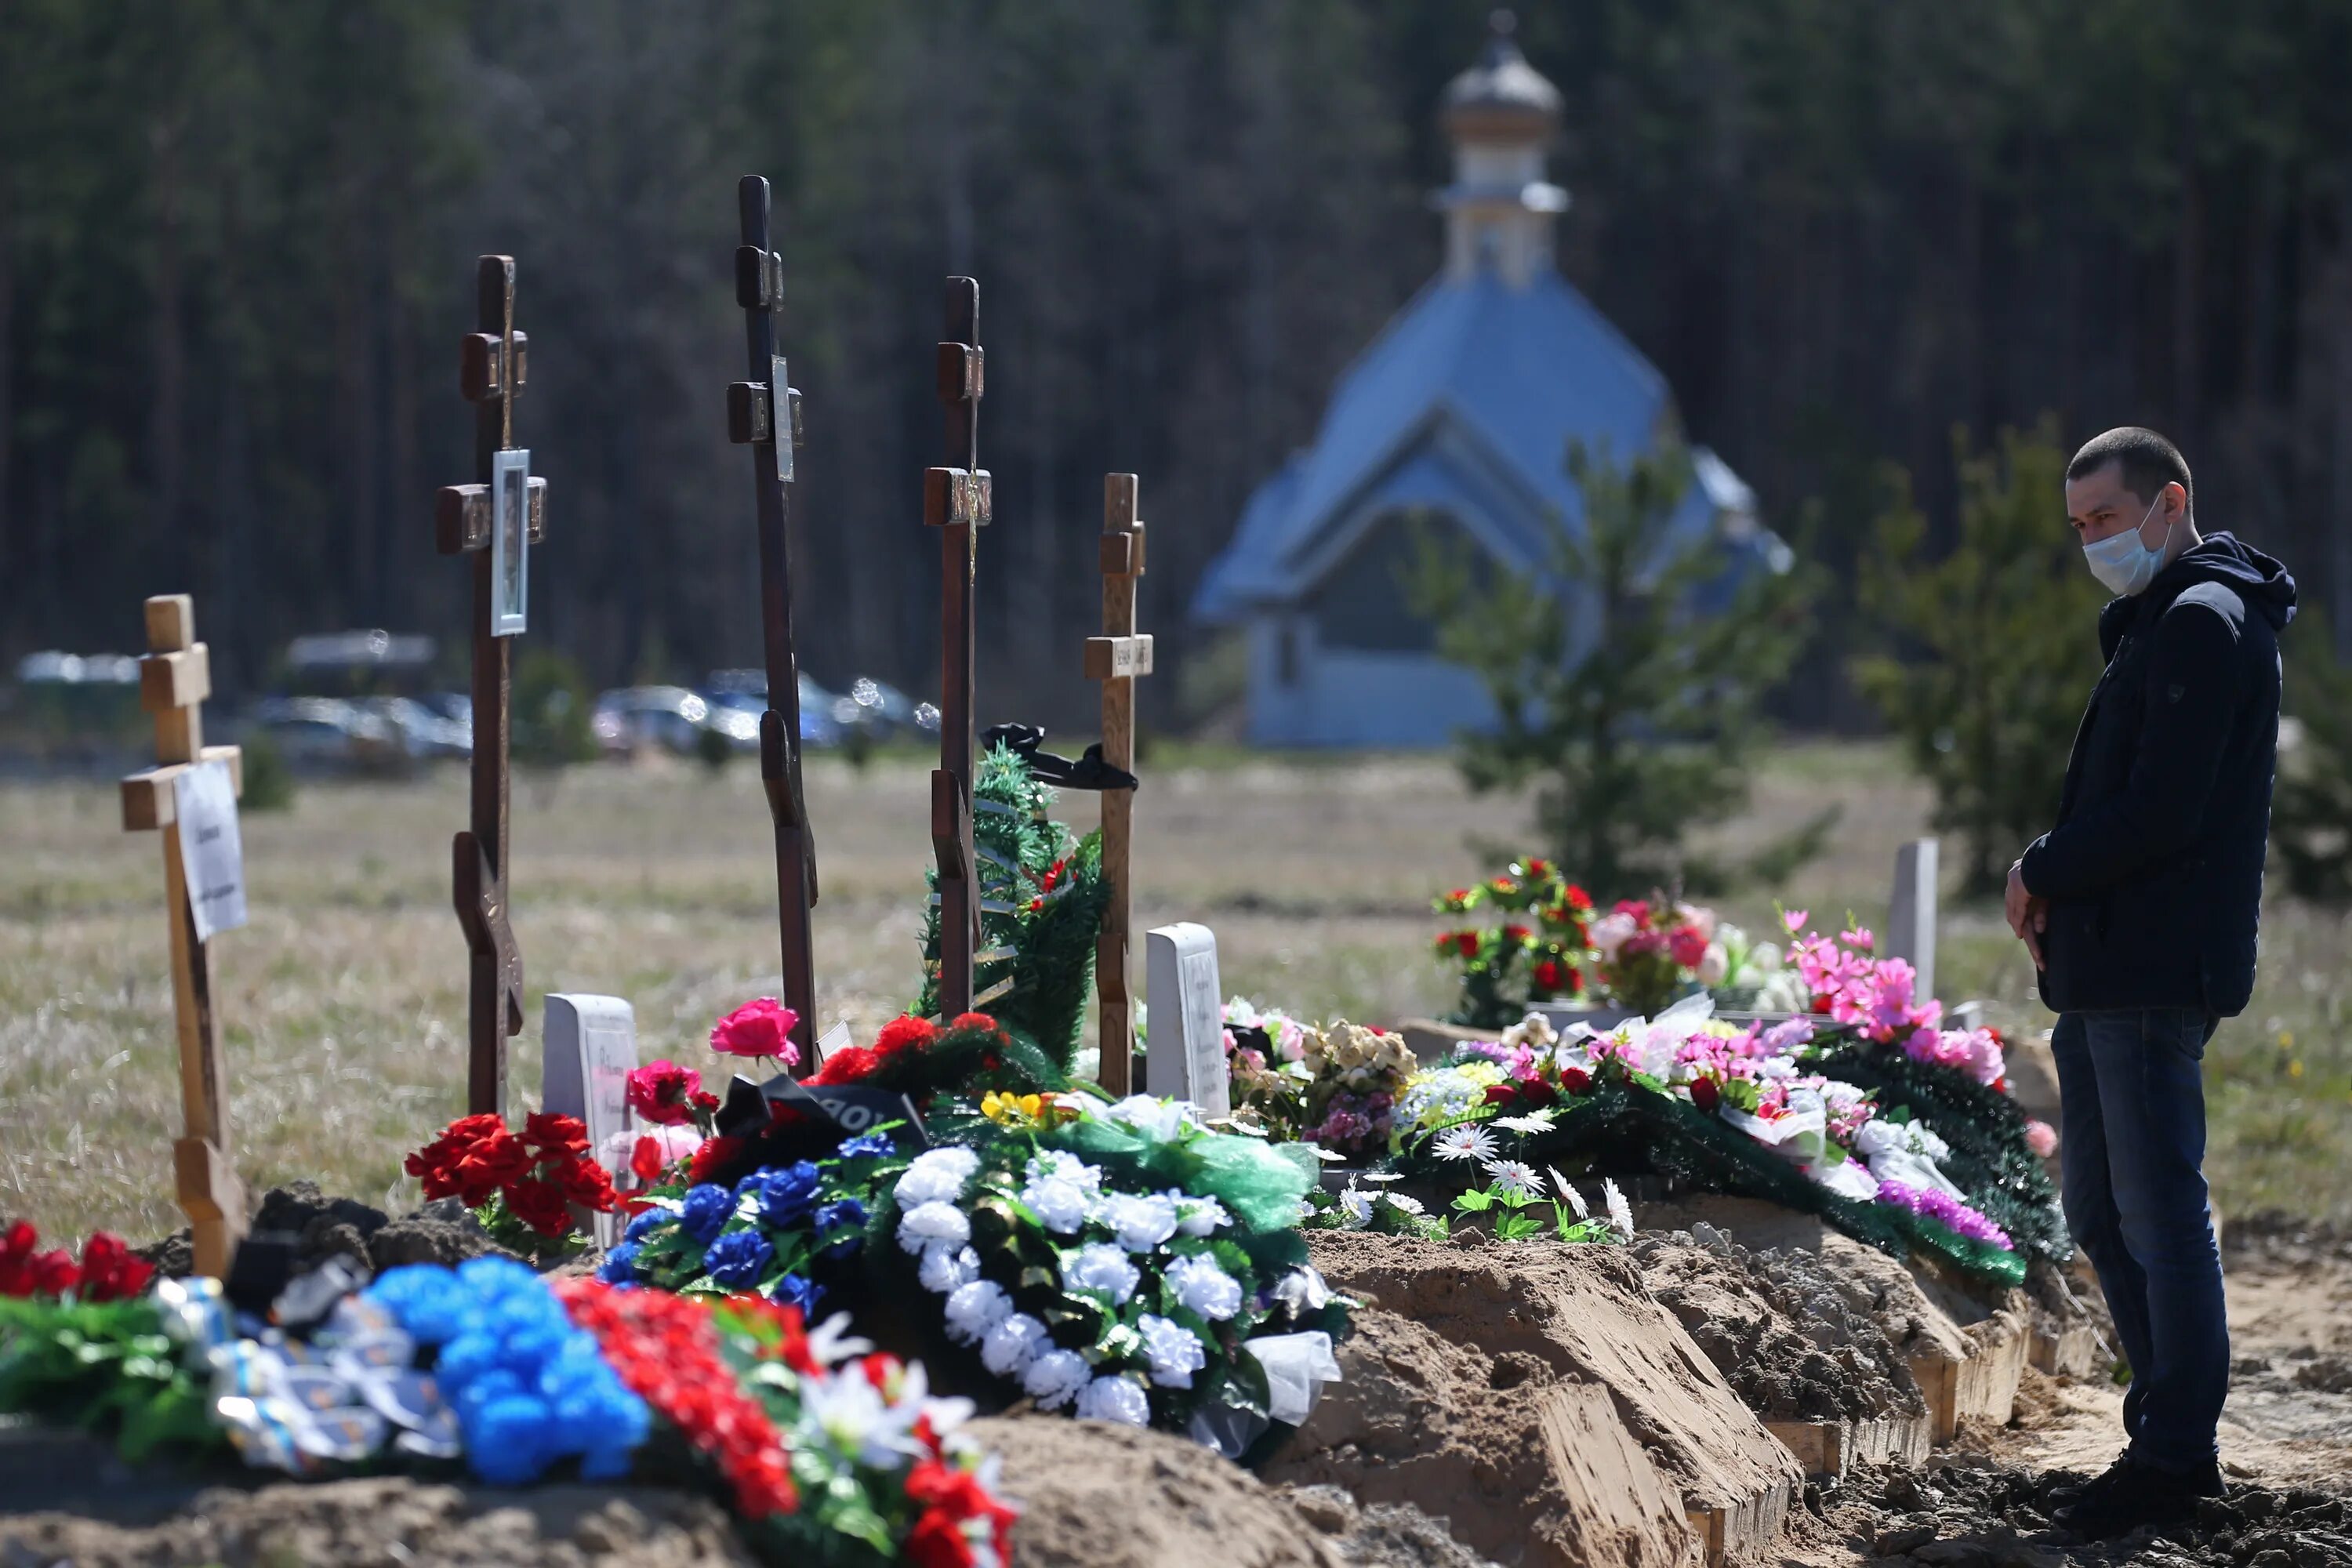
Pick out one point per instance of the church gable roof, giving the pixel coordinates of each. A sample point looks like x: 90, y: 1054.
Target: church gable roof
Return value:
x: 1521, y: 370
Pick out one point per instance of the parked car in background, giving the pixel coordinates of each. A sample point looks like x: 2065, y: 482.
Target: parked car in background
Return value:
x: 746, y: 690
x: 329, y: 734
x: 423, y: 733
x: 882, y: 710
x: 632, y: 718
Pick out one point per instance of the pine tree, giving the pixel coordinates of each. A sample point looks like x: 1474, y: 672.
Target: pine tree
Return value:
x: 2003, y: 647
x: 1042, y: 900
x: 1631, y: 707
x: 2311, y: 819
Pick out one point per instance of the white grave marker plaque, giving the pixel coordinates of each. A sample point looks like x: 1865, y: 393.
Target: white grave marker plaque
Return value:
x: 212, y: 853
x: 590, y: 1044
x: 1187, y: 1056
x: 1911, y: 920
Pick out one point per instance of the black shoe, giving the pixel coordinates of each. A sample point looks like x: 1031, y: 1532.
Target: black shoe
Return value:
x: 2062, y: 1497
x: 2133, y: 1493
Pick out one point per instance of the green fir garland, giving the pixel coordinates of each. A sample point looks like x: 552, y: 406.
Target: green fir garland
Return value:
x: 1042, y: 901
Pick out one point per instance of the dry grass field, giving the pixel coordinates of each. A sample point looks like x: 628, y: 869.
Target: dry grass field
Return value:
x: 343, y: 1003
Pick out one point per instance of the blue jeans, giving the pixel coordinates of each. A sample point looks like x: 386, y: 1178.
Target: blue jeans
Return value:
x: 2132, y: 1097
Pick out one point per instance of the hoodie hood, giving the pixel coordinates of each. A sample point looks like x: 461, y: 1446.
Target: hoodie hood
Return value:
x: 2226, y: 559
x: 2257, y: 579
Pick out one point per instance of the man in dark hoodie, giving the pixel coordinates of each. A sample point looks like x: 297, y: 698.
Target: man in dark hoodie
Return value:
x: 2141, y: 909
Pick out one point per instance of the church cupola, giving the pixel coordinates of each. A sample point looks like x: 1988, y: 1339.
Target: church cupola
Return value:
x: 1501, y: 113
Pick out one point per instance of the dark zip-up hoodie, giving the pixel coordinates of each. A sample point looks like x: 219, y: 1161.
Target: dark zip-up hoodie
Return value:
x: 2154, y: 872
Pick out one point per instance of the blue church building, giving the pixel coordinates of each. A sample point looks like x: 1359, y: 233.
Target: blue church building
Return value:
x: 1460, y: 411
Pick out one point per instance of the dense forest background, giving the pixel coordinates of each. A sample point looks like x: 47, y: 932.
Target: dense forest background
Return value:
x: 237, y: 241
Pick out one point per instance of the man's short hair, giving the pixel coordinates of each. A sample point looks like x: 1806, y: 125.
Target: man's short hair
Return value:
x: 2150, y: 462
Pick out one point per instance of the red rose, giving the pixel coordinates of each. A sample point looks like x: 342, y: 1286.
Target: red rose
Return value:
x: 587, y: 1183
x: 661, y: 1093
x: 1576, y: 1080
x: 973, y: 1021
x: 905, y: 1033
x: 108, y: 1270
x: 763, y: 1028
x: 1578, y: 899
x: 1636, y: 908
x: 1538, y: 868
x: 541, y: 1206
x: 551, y: 1134
x: 1538, y: 1093
x: 705, y: 1100
x: 1688, y: 945
x: 1466, y: 943
x: 646, y: 1161
x: 1703, y: 1093
x: 1501, y: 1093
x: 714, y: 1155
x: 847, y: 1065
x: 1549, y: 974
x: 1575, y: 982
x: 1515, y: 933
x: 54, y: 1273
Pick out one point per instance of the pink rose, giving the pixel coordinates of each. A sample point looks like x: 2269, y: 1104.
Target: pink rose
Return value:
x: 2041, y: 1138
x: 758, y: 1028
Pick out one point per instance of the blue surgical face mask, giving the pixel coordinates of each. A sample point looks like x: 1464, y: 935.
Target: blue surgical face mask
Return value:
x: 2121, y: 563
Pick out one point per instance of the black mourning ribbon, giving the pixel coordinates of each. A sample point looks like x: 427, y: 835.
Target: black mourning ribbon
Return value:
x: 1089, y: 771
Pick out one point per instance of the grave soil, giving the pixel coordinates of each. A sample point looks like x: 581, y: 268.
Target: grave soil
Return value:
x: 1798, y: 1341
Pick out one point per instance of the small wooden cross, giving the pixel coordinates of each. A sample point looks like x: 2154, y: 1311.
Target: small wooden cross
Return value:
x: 956, y: 501
x: 174, y: 678
x: 495, y: 519
x: 1115, y: 659
x: 764, y: 414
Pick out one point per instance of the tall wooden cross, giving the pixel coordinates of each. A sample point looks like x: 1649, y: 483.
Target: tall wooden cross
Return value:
x: 764, y: 413
x: 174, y: 678
x: 495, y: 519
x: 1115, y: 659
x: 956, y: 502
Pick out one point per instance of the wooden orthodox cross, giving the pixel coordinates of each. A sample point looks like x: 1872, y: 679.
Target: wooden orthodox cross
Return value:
x: 174, y: 681
x: 956, y: 502
x: 495, y: 519
x: 764, y: 413
x: 1115, y: 659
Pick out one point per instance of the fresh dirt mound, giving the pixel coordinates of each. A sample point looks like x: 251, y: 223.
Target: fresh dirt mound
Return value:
x: 1383, y: 1534
x: 1536, y: 1396
x: 392, y: 1520
x: 1778, y: 1326
x: 1094, y: 1494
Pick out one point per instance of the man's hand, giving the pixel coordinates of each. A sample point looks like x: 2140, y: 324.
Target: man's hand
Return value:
x: 2028, y: 916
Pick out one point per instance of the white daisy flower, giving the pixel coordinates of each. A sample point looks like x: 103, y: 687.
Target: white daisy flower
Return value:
x: 1380, y: 1176
x: 1566, y: 1189
x: 1408, y: 1206
x: 1620, y: 1213
x: 1355, y: 1209
x: 1537, y: 1121
x: 1516, y: 1177
x: 1465, y: 1142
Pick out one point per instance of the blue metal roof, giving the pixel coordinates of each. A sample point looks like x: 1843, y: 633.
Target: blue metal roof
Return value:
x: 1489, y: 382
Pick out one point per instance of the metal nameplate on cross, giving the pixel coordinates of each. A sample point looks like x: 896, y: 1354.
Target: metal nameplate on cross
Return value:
x: 495, y: 519
x: 766, y: 415
x: 174, y: 678
x: 957, y: 500
x: 1115, y: 659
